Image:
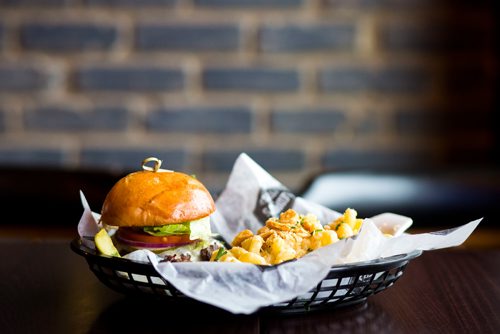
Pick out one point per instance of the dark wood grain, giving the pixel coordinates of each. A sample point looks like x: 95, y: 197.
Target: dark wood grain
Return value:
x: 447, y: 292
x: 46, y: 288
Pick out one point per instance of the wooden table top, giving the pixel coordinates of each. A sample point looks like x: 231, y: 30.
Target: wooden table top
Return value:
x: 47, y: 288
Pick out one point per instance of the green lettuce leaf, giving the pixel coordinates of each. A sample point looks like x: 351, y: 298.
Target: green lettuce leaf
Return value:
x: 197, y: 229
x: 166, y: 230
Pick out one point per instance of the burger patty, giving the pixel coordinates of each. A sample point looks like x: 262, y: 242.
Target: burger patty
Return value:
x: 205, y: 254
x: 175, y: 258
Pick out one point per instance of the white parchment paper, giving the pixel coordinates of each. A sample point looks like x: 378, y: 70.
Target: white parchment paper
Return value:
x: 251, y: 194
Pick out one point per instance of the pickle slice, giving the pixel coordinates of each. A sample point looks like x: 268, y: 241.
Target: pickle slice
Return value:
x: 104, y: 244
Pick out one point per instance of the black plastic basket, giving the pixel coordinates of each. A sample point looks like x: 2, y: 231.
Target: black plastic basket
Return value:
x: 344, y: 285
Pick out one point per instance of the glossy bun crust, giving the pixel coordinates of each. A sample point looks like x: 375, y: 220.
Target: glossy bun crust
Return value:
x: 149, y: 198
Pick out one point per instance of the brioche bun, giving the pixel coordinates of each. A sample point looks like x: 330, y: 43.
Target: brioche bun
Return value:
x: 156, y: 198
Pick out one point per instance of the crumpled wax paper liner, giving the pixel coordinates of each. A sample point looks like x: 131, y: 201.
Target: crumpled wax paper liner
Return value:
x: 250, y: 196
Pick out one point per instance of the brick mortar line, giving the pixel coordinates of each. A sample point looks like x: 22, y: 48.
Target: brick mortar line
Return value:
x: 323, y: 59
x: 249, y: 48
x: 264, y: 59
x: 366, y: 38
x: 13, y: 116
x: 39, y: 139
x: 63, y: 16
x: 160, y: 15
x: 277, y: 62
x: 125, y: 43
x: 193, y: 77
x: 262, y: 121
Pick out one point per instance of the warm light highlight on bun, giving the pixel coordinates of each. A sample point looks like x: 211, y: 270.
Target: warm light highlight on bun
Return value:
x: 149, y: 198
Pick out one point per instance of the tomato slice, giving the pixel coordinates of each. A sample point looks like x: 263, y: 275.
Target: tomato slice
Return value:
x: 138, y: 236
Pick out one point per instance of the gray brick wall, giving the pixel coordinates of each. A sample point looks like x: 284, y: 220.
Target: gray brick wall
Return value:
x: 67, y: 118
x: 130, y: 158
x: 302, y: 38
x: 300, y: 85
x: 1, y: 35
x: 307, y: 121
x: 221, y: 4
x: 23, y: 77
x: 134, y: 78
x: 251, y: 79
x: 201, y: 120
x: 2, y: 120
x: 188, y: 37
x: 37, y: 3
x: 68, y: 37
x: 131, y: 3
x: 28, y: 156
x: 388, y: 80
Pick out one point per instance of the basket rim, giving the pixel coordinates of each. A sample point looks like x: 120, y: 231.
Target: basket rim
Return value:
x: 91, y: 255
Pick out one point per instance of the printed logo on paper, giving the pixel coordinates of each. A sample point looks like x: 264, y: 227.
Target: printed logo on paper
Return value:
x: 271, y: 202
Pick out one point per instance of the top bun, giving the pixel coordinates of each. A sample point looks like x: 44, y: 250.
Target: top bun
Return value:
x: 149, y: 198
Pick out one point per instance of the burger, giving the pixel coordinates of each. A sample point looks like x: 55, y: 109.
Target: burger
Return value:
x: 160, y: 210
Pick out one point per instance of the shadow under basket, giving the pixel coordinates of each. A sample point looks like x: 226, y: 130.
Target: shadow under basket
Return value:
x: 344, y: 285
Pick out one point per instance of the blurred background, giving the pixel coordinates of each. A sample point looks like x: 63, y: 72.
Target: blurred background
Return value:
x: 89, y: 88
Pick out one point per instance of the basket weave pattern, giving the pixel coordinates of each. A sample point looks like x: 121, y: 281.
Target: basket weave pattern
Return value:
x: 344, y: 285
